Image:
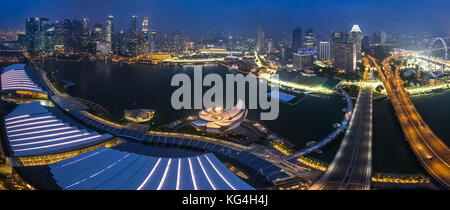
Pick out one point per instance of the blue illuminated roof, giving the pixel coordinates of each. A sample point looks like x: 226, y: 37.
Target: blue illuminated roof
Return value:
x: 282, y: 96
x: 14, y: 67
x: 110, y: 169
x: 32, y: 130
x: 27, y: 109
x: 15, y: 77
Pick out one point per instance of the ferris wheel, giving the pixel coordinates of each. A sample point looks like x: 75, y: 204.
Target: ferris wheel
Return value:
x: 433, y: 65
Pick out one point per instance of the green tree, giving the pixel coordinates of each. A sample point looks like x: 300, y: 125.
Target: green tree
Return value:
x: 379, y: 88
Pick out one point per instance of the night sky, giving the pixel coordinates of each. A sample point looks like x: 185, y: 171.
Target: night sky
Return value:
x: 276, y: 16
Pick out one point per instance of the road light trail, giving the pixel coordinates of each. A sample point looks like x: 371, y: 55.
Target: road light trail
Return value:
x: 431, y: 151
x: 351, y: 168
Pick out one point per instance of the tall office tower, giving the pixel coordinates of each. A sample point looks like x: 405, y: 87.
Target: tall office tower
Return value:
x: 22, y: 40
x: 32, y: 34
x: 270, y: 47
x: 123, y: 43
x: 67, y: 33
x: 153, y: 41
x: 145, y: 25
x: 142, y: 44
x: 133, y: 26
x: 145, y: 37
x: 383, y: 37
x: 344, y: 55
x: 283, y: 54
x: 338, y: 37
x: 44, y: 25
x: 132, y: 39
x: 49, y: 40
x: 115, y: 44
x: 355, y: 36
x: 59, y: 33
x: 98, y: 35
x: 365, y: 42
x: 309, y: 38
x: 259, y: 40
x: 375, y: 38
x: 85, y: 34
x: 297, y: 40
x: 109, y: 29
x: 324, y: 50
x: 77, y: 32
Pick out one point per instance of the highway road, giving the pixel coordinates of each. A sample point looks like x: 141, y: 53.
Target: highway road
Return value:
x: 351, y: 168
x: 431, y: 151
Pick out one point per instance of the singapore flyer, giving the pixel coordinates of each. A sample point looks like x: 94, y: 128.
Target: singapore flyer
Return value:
x: 434, y: 68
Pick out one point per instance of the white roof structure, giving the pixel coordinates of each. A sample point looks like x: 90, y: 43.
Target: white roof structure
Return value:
x: 217, y: 119
x: 32, y: 130
x: 356, y: 29
x: 14, y: 77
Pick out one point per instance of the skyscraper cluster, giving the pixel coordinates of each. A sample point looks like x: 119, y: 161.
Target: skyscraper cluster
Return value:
x: 76, y: 36
x: 302, y: 42
x: 343, y: 49
x: 346, y: 48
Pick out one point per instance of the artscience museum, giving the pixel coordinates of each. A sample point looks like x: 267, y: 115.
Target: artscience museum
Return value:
x: 219, y: 120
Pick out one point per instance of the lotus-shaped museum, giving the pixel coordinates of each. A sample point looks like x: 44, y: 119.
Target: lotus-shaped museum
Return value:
x: 219, y: 120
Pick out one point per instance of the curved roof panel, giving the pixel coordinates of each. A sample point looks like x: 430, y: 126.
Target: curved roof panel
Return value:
x: 14, y: 77
x: 32, y: 130
x: 110, y: 169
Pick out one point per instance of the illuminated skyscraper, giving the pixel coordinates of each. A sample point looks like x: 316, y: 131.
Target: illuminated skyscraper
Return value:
x: 297, y: 41
x: 109, y: 29
x: 383, y: 37
x: 98, y: 34
x: 344, y: 55
x: 309, y: 38
x: 153, y: 41
x: 302, y: 61
x: 270, y: 47
x: 259, y: 40
x: 85, y: 34
x: 77, y: 32
x: 355, y: 36
x: 121, y: 44
x: 59, y: 33
x: 133, y: 26
x: 44, y: 25
x: 67, y: 35
x: 338, y: 37
x: 324, y: 50
x: 145, y: 25
x: 144, y: 38
x: 132, y: 38
x: 32, y: 34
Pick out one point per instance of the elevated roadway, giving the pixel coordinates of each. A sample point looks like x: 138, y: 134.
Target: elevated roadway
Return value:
x: 432, y: 152
x: 351, y: 168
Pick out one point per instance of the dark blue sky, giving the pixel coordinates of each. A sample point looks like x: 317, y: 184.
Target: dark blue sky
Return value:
x: 275, y: 16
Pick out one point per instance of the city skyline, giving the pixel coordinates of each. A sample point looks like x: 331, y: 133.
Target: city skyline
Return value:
x: 225, y: 95
x: 199, y: 16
